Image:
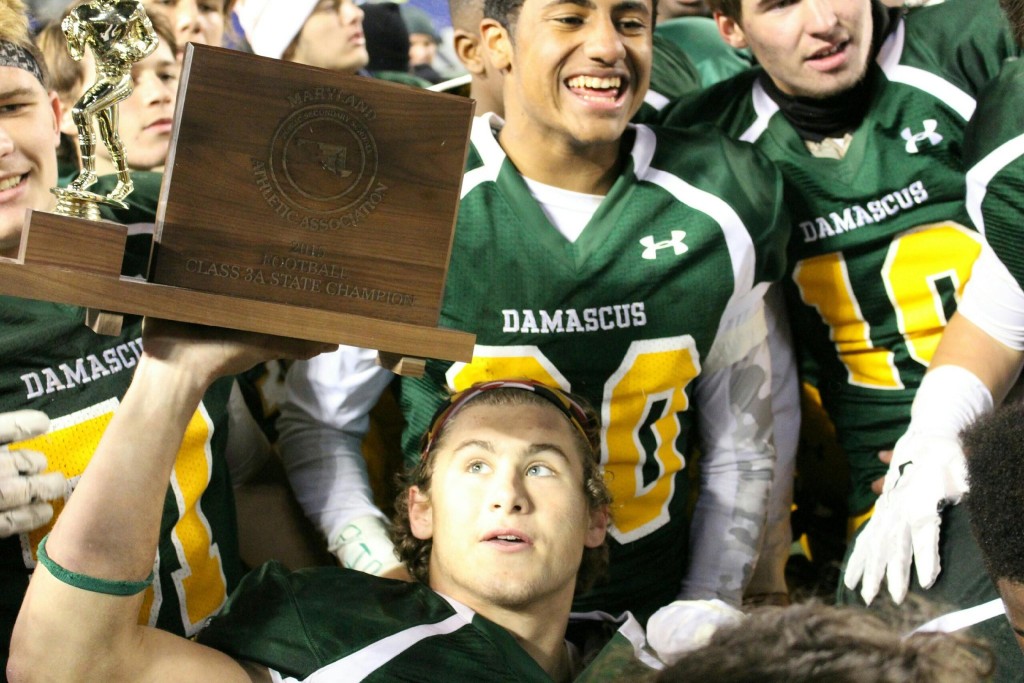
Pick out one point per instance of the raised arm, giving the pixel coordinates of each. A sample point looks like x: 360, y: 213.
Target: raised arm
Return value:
x: 82, y: 625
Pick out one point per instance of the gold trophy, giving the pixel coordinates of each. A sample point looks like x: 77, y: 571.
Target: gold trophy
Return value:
x: 119, y: 34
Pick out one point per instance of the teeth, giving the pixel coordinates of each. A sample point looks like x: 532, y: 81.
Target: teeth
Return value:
x: 10, y: 182
x: 595, y: 83
x: 508, y: 538
x: 831, y: 51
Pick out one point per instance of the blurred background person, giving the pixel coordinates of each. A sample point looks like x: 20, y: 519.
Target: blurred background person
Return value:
x: 323, y: 33
x: 193, y: 21
x: 424, y: 40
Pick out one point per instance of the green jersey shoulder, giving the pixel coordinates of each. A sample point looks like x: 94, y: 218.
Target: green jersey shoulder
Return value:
x: 340, y: 624
x: 994, y: 152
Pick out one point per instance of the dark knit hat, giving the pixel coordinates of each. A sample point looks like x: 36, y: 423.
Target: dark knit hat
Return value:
x: 418, y: 21
x: 387, y: 39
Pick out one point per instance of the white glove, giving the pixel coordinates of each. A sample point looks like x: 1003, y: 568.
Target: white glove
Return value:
x: 926, y: 474
x: 686, y: 625
x: 23, y: 490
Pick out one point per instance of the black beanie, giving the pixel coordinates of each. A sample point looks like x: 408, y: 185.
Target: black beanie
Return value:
x: 387, y: 39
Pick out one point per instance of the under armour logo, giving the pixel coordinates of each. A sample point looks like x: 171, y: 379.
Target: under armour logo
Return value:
x: 929, y: 134
x: 652, y: 247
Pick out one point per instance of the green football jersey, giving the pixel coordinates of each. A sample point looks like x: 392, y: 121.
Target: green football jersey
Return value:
x: 52, y: 362
x: 625, y: 316
x: 994, y: 152
x: 672, y: 74
x: 881, y: 245
x: 333, y: 624
x: 714, y: 59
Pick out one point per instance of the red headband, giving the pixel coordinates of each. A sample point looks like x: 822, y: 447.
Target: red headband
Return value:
x: 456, y: 402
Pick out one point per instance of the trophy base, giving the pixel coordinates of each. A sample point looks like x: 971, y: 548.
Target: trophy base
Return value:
x: 82, y: 203
x: 78, y: 262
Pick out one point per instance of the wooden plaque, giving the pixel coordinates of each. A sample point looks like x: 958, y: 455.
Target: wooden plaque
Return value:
x: 296, y: 201
x: 310, y: 187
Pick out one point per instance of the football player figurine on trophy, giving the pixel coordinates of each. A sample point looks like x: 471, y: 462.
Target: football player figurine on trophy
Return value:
x: 119, y: 33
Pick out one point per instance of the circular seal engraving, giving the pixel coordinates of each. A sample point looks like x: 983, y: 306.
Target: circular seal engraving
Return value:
x: 323, y: 159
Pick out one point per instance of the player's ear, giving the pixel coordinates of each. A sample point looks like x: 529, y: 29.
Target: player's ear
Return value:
x: 467, y: 49
x: 58, y: 118
x: 421, y: 514
x: 497, y: 43
x: 731, y: 30
x: 598, y: 527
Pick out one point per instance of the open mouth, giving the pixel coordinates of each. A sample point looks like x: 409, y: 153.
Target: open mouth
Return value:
x: 597, y: 88
x: 509, y: 539
x: 830, y: 51
x: 11, y: 182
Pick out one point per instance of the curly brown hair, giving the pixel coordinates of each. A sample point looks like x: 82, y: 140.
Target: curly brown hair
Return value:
x: 415, y: 552
x: 816, y: 643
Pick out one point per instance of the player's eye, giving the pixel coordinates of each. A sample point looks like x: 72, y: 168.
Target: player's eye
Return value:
x: 13, y: 107
x: 539, y: 470
x: 570, y: 20
x: 632, y: 26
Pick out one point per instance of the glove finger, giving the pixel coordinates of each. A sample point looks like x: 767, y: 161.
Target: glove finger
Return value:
x: 18, y: 462
x: 22, y: 424
x: 898, y: 566
x: 926, y: 550
x: 874, y: 558
x: 50, y: 486
x: 24, y: 519
x: 855, y: 565
x: 18, y: 491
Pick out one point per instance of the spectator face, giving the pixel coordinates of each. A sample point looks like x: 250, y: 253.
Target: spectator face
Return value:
x: 332, y: 37
x: 506, y: 508
x: 575, y: 72
x: 810, y: 48
x: 146, y: 117
x: 422, y: 49
x: 28, y: 142
x: 196, y: 21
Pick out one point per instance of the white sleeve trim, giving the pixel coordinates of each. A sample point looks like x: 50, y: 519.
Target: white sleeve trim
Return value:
x: 889, y: 60
x: 982, y: 173
x: 994, y: 301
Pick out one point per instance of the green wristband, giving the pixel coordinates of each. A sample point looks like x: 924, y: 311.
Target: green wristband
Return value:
x: 89, y: 583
